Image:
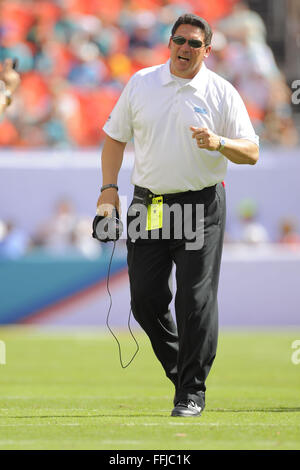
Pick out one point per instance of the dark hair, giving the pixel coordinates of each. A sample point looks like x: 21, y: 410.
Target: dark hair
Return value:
x: 194, y: 20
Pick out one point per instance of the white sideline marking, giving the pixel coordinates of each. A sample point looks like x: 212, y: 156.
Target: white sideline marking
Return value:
x: 155, y: 424
x: 41, y: 424
x: 87, y: 397
x: 119, y: 441
x: 231, y: 424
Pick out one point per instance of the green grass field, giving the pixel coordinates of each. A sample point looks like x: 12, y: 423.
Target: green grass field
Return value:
x: 66, y: 390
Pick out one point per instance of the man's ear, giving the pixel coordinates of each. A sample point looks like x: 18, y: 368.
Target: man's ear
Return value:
x: 169, y: 45
x: 207, y: 51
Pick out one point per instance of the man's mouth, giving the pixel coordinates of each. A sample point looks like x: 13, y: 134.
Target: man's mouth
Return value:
x: 183, y: 59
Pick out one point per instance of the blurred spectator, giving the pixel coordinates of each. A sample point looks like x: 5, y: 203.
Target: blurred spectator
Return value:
x: 83, y: 241
x: 252, y: 231
x: 243, y: 24
x: 143, y: 33
x: 56, y: 233
x: 66, y: 232
x: 14, y: 242
x: 288, y: 232
x: 76, y: 56
x: 251, y: 67
x: 9, y: 82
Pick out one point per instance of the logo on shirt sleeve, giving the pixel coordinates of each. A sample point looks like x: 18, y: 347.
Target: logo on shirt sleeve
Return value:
x: 200, y: 110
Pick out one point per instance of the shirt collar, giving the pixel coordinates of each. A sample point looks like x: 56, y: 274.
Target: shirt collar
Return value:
x: 199, y: 82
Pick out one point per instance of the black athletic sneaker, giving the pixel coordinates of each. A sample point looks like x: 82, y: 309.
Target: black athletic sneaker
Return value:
x: 186, y: 408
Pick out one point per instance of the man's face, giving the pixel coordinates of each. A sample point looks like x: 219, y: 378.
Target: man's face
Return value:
x: 186, y: 61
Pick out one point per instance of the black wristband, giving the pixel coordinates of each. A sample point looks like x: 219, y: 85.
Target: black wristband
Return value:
x: 107, y: 186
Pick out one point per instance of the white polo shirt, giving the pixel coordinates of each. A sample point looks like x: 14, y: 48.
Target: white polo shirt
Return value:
x: 157, y: 111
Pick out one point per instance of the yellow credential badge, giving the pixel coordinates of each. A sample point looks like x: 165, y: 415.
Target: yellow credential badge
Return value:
x: 155, y: 214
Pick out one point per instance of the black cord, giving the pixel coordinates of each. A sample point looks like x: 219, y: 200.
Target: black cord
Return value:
x: 107, y: 324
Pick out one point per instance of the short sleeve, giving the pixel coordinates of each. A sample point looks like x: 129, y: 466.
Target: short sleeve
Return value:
x: 237, y: 122
x: 119, y: 124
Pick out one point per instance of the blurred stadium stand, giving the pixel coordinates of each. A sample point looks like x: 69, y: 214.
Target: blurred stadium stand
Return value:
x: 75, y: 57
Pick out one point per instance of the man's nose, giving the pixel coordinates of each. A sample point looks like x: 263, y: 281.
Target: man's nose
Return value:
x: 185, y: 47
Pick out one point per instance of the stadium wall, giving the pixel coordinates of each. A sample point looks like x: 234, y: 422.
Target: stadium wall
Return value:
x: 258, y: 285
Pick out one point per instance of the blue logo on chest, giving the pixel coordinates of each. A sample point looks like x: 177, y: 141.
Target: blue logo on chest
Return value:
x: 200, y: 110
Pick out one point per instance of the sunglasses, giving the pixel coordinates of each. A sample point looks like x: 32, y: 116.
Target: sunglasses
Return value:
x: 195, y: 43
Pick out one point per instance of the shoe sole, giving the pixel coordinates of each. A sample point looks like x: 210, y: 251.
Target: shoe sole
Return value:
x: 185, y: 415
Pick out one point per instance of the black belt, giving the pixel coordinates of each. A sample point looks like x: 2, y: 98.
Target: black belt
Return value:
x: 144, y: 195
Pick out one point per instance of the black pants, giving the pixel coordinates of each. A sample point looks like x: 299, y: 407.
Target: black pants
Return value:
x: 187, y: 348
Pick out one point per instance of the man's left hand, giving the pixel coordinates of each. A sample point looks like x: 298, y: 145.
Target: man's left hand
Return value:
x: 205, y: 138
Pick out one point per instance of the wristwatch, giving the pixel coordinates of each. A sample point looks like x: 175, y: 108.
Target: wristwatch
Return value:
x: 107, y: 186
x: 222, y: 144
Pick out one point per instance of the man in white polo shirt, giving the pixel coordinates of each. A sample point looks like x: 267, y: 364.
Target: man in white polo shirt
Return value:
x: 186, y: 123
